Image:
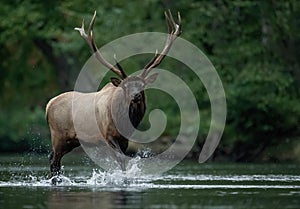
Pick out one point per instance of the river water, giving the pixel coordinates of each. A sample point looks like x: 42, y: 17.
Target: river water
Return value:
x: 24, y: 184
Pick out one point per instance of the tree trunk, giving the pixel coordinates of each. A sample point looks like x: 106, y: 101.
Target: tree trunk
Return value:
x: 61, y: 66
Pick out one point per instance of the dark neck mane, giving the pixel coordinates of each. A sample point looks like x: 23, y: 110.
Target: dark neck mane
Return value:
x: 137, y: 111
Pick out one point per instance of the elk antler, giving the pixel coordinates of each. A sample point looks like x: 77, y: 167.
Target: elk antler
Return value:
x: 88, y: 37
x: 174, y: 30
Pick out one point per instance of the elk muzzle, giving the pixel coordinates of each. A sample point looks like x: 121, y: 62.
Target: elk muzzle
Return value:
x: 136, y: 98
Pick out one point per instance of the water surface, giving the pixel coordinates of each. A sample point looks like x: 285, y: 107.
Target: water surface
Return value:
x: 24, y: 184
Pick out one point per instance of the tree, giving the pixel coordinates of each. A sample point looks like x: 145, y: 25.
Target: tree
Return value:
x: 254, y: 46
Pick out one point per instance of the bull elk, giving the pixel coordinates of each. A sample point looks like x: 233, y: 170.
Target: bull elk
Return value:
x: 64, y: 135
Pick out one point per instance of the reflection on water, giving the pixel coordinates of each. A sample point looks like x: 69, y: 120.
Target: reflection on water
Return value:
x: 88, y: 199
x: 189, y: 185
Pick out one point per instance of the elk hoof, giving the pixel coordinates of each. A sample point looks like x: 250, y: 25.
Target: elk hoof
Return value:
x: 55, y: 180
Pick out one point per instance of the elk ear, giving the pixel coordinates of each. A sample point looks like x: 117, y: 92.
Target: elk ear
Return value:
x: 115, y: 81
x: 151, y: 78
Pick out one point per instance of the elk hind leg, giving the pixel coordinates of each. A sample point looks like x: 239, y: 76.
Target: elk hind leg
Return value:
x: 59, y: 150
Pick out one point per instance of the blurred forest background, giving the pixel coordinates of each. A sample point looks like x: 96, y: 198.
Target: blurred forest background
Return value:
x: 254, y: 45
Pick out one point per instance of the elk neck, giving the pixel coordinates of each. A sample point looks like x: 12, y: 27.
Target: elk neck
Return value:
x: 137, y: 111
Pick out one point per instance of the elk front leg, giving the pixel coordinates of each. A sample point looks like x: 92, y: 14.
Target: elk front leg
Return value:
x: 120, y: 146
x: 55, y: 163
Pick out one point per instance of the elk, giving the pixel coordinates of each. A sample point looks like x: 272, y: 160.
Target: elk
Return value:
x: 130, y: 89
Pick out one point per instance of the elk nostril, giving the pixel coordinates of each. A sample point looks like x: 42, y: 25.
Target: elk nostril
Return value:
x: 136, y: 97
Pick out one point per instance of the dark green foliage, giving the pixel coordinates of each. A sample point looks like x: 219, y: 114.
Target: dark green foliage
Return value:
x: 254, y: 45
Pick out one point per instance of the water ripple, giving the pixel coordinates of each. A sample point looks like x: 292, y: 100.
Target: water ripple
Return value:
x: 132, y: 180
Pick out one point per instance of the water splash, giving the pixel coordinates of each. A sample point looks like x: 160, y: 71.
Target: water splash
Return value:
x: 96, y: 178
x: 133, y: 175
x: 135, y: 179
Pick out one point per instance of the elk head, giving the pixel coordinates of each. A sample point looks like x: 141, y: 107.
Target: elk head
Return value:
x: 134, y: 86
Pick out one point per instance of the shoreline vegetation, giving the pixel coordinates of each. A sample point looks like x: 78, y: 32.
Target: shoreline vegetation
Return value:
x: 254, y: 46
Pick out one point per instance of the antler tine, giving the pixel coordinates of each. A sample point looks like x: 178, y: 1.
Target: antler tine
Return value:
x: 119, y: 66
x: 174, y: 30
x: 179, y: 21
x: 90, y: 33
x: 152, y: 60
x: 91, y: 26
x: 88, y: 37
x: 172, y: 25
x: 168, y: 23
